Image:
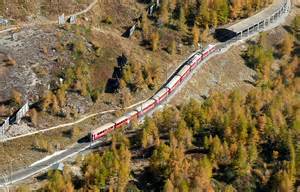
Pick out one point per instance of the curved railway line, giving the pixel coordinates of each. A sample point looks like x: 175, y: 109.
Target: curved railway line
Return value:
x: 267, y: 21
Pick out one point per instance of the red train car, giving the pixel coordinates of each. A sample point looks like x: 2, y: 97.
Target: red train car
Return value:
x: 194, y: 61
x: 175, y: 81
x: 160, y: 95
x: 102, y: 131
x: 210, y: 48
x: 145, y: 107
x: 121, y: 121
x: 184, y: 72
x: 132, y: 115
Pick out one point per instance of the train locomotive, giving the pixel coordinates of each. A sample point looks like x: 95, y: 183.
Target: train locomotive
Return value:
x: 184, y: 71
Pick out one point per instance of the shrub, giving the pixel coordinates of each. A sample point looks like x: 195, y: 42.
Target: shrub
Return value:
x: 16, y: 96
x: 10, y: 61
x: 155, y: 41
x: 75, y: 132
x: 41, y: 144
x: 34, y: 117
x: 107, y: 20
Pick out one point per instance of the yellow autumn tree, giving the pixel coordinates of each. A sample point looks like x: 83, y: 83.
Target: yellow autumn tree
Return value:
x: 155, y: 41
x: 16, y: 96
x: 196, y: 36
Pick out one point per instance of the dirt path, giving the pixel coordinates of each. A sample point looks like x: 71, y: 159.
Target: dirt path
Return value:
x: 15, y: 27
x: 85, y: 117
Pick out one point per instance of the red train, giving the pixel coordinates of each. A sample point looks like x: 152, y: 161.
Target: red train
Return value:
x: 158, y: 98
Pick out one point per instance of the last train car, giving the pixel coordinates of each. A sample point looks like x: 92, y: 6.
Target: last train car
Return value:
x: 102, y: 131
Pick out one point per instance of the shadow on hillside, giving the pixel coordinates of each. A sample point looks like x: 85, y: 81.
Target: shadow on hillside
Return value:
x: 148, y: 181
x: 223, y: 35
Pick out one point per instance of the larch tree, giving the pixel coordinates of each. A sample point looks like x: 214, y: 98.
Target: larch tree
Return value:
x: 145, y: 26
x: 204, y: 174
x: 159, y: 160
x: 155, y: 41
x: 168, y: 187
x: 241, y: 161
x: 242, y: 128
x: 69, y: 187
x: 23, y: 188
x: 172, y: 5
x: 282, y: 182
x: 172, y: 47
x: 46, y: 100
x: 150, y: 133
x: 229, y: 188
x: 263, y: 40
x: 184, y: 134
x: 222, y: 10
x: 214, y: 19
x: 139, y: 80
x: 182, y: 20
x: 56, y: 181
x: 292, y: 164
x: 204, y: 35
x: 215, y: 149
x: 55, y: 105
x: 253, y: 154
x: 164, y: 11
x: 124, y: 170
x: 287, y: 45
x: 235, y: 8
x: 33, y: 116
x: 196, y: 36
x: 248, y: 4
x: 296, y: 26
x: 16, y: 97
x: 203, y: 14
x: 61, y: 95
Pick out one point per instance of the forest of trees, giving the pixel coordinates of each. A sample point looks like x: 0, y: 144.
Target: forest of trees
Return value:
x: 230, y: 142
x: 197, y: 16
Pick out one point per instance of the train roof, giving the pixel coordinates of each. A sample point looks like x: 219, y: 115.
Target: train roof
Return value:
x: 160, y: 93
x: 173, y: 81
x: 209, y: 47
x: 131, y: 113
x: 196, y: 56
x: 145, y: 104
x: 184, y: 69
x: 103, y: 127
x: 122, y: 118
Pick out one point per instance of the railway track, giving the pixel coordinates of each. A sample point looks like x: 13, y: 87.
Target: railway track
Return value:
x: 278, y: 18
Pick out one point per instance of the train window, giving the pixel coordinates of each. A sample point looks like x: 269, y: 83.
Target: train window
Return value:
x: 100, y: 133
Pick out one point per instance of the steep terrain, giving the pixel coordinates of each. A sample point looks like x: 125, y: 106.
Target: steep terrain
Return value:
x: 97, y: 44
